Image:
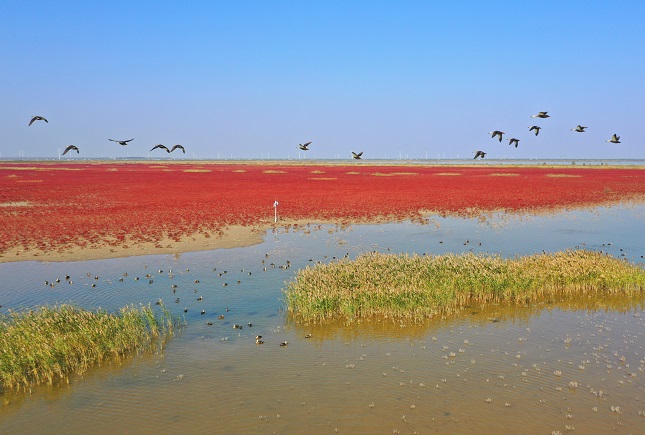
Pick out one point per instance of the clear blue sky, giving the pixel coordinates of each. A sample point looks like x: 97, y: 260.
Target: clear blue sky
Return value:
x: 254, y: 78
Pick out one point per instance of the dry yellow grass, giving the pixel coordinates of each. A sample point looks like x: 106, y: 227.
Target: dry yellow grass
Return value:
x: 197, y: 170
x: 414, y: 287
x: 45, y: 343
x: 448, y: 173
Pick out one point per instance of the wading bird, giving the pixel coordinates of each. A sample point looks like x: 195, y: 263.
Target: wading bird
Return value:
x: 304, y: 146
x: 357, y: 156
x: 178, y: 147
x: 515, y: 141
x: 536, y: 128
x: 71, y: 148
x: 480, y: 154
x: 37, y: 118
x: 614, y: 139
x: 163, y: 147
x: 541, y: 115
x: 122, y: 142
x: 496, y: 133
x: 579, y: 128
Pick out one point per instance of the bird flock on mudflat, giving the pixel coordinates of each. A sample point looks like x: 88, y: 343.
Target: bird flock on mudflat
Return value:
x: 120, y: 142
x: 535, y: 128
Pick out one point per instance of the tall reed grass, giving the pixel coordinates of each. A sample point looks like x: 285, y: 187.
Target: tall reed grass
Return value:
x: 41, y: 345
x: 414, y: 287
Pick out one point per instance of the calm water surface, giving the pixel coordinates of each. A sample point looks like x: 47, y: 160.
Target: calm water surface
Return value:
x: 549, y: 367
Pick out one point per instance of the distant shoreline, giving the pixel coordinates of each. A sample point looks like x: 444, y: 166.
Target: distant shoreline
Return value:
x: 626, y: 162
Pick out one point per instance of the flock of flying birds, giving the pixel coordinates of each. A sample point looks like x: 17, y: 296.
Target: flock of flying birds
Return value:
x: 305, y: 146
x: 120, y: 142
x: 514, y: 141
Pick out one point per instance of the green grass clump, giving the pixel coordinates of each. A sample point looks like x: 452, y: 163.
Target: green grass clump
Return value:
x: 415, y: 287
x: 46, y: 343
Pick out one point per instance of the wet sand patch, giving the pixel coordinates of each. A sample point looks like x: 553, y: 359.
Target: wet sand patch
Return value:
x: 16, y: 204
x: 562, y: 176
x: 393, y: 174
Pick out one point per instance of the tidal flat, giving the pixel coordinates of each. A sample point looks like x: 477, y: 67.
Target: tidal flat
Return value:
x: 548, y: 366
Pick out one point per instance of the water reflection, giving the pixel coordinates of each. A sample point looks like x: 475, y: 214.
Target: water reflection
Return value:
x: 571, y: 363
x: 520, y: 313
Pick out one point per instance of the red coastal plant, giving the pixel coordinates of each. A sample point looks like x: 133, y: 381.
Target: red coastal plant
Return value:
x: 54, y: 206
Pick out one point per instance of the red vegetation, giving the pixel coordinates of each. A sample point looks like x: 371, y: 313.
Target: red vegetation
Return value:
x: 50, y: 206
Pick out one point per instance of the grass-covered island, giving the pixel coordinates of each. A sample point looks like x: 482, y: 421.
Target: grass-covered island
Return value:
x: 46, y: 343
x: 415, y: 287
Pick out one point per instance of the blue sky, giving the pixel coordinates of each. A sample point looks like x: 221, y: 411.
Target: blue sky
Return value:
x: 253, y: 79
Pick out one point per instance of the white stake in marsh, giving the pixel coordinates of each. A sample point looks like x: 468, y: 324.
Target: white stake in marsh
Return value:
x: 275, y: 211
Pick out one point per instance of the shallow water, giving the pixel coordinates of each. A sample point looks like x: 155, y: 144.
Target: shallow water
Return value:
x: 548, y: 367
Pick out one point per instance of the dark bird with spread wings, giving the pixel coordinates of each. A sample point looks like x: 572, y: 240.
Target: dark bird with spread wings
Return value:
x: 71, y: 148
x: 614, y: 139
x: 515, y: 141
x: 163, y: 147
x: 357, y: 156
x: 536, y: 128
x: 37, y: 118
x: 122, y: 142
x: 304, y: 146
x: 178, y: 147
x: 541, y: 115
x: 579, y: 128
x: 496, y: 133
x: 480, y: 154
